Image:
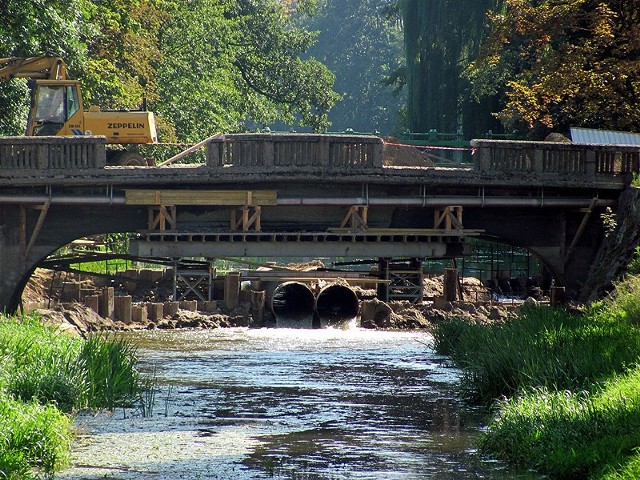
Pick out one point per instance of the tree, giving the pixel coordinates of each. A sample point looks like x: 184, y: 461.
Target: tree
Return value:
x: 204, y: 65
x: 35, y: 28
x: 562, y: 63
x: 442, y: 37
x: 361, y: 42
x: 232, y: 62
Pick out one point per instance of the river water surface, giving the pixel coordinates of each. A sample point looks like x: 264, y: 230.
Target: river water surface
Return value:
x: 290, y: 404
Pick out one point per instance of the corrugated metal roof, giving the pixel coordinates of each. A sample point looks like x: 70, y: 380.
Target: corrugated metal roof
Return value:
x: 603, y: 137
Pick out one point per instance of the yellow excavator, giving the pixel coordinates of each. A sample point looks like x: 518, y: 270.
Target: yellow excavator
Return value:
x: 57, y: 109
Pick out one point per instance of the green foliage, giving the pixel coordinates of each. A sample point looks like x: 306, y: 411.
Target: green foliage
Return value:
x: 361, y: 42
x: 563, y: 63
x: 46, y: 371
x: 205, y: 66
x: 40, y: 363
x: 34, y: 439
x: 110, y: 366
x: 231, y: 62
x: 543, y: 348
x: 569, y: 435
x: 569, y: 383
x: 441, y: 39
x: 634, y: 265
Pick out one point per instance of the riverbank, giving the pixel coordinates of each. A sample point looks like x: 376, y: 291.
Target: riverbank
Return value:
x: 47, y: 376
x: 569, y: 383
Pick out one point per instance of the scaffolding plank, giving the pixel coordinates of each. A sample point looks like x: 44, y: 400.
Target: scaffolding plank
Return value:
x: 200, y: 197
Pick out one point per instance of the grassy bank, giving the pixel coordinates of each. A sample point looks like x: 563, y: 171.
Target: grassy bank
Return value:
x: 569, y: 386
x: 46, y: 376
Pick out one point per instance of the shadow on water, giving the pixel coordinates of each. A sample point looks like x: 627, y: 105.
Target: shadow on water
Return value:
x: 292, y: 404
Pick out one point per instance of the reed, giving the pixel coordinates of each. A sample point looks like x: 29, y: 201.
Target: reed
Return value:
x: 569, y: 385
x: 46, y: 372
x: 112, y: 378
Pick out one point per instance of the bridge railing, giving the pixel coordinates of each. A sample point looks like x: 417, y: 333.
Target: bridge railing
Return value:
x: 555, y: 158
x: 295, y: 152
x: 31, y: 154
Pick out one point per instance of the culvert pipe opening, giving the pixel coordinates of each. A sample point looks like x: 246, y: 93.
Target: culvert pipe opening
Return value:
x: 292, y: 302
x: 336, y: 304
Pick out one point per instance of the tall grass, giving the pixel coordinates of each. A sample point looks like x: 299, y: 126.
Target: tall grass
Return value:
x: 544, y: 347
x: 570, y: 434
x: 34, y: 439
x: 111, y: 375
x: 45, y: 373
x: 569, y: 385
x: 75, y: 374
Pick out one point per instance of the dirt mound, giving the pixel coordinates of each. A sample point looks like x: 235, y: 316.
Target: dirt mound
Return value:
x: 394, y: 153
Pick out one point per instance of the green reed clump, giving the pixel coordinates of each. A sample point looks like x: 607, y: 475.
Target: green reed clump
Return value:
x: 112, y: 377
x: 75, y: 374
x: 45, y: 371
x: 34, y: 439
x: 544, y: 347
x: 570, y: 434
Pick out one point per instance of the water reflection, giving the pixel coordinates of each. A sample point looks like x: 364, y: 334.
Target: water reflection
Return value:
x: 293, y: 404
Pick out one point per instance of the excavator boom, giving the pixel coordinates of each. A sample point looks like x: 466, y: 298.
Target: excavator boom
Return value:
x: 47, y: 68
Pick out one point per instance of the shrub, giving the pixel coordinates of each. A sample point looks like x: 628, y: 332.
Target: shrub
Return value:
x: 34, y: 439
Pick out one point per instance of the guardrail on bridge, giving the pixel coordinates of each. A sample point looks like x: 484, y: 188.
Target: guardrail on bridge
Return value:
x: 31, y: 154
x: 554, y: 158
x: 296, y: 152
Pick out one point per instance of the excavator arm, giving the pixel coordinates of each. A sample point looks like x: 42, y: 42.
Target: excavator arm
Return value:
x: 48, y: 68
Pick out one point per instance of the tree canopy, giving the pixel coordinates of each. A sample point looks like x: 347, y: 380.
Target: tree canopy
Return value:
x: 205, y: 65
x: 562, y: 63
x: 361, y: 42
x: 442, y: 37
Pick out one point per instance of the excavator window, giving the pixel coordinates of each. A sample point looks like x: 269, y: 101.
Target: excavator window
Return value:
x: 73, y: 104
x: 50, y: 109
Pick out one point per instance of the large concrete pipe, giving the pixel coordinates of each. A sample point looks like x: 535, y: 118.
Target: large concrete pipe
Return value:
x: 293, y: 304
x: 336, y: 304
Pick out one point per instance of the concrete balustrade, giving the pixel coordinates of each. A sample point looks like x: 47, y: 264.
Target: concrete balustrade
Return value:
x: 491, y: 156
x: 31, y: 154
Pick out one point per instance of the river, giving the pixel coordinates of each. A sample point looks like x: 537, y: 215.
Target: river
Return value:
x: 290, y: 404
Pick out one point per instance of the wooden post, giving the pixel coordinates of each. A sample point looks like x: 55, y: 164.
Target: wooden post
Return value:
x: 257, y: 305
x: 171, y: 308
x: 383, y: 274
x: 557, y: 296
x: 450, y: 284
x: 139, y: 314
x: 155, y: 311
x: 231, y: 289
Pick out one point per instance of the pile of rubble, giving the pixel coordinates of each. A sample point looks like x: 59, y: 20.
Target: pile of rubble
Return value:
x: 148, y: 310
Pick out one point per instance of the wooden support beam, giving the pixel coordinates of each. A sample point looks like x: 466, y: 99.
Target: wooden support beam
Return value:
x: 580, y: 231
x: 357, y: 218
x: 449, y: 217
x: 246, y: 217
x: 161, y: 216
x: 36, y: 229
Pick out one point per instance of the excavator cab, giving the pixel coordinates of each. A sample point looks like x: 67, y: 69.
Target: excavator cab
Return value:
x: 54, y: 105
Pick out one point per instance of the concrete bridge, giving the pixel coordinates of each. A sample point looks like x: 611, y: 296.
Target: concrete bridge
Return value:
x: 308, y: 195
